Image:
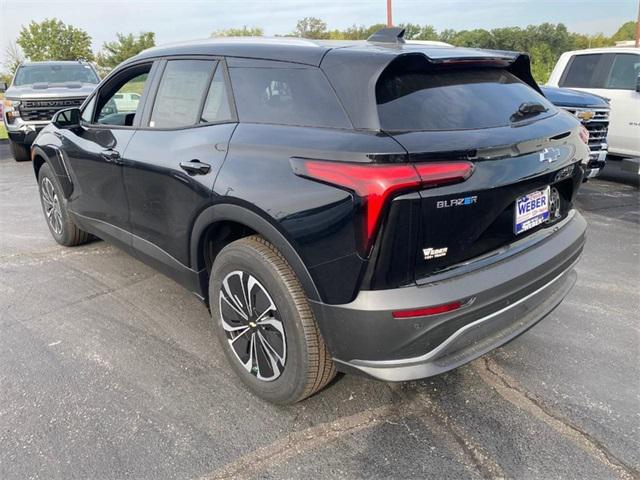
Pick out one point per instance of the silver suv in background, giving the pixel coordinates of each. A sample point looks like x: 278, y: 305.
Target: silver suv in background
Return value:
x: 38, y: 90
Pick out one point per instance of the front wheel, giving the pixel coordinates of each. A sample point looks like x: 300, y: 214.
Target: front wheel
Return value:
x: 61, y: 225
x: 265, y: 324
x: 20, y: 152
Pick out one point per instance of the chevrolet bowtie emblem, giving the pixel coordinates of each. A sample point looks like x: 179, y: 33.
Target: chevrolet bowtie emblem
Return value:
x: 585, y: 115
x: 549, y: 155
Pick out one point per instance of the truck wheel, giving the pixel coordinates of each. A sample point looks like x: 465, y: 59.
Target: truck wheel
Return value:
x: 264, y: 323
x: 20, y: 152
x: 62, y: 227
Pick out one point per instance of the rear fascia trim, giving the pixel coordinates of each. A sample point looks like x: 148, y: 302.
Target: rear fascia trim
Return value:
x: 443, y: 346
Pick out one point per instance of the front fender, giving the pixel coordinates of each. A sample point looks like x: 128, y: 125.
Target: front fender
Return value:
x: 54, y: 156
x: 239, y: 214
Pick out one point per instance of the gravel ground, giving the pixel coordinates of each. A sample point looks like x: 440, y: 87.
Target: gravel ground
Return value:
x: 109, y: 370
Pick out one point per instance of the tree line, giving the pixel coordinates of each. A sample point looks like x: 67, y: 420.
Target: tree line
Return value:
x: 52, y: 39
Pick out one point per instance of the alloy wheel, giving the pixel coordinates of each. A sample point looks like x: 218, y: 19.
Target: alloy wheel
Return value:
x: 252, y: 325
x: 52, y: 208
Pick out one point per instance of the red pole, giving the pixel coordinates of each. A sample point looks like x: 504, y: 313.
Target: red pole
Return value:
x: 389, y: 15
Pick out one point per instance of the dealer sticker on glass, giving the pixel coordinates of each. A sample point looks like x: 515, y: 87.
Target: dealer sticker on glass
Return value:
x: 531, y: 210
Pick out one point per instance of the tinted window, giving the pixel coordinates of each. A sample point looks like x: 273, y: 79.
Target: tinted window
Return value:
x: 87, y: 113
x: 180, y: 94
x: 286, y: 96
x: 216, y: 107
x: 587, y: 71
x: 624, y: 72
x: 453, y: 100
x: 61, y: 73
x: 113, y: 110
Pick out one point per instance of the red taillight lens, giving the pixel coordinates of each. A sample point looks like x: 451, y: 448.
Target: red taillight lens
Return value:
x: 584, y: 134
x: 426, y: 311
x: 375, y: 183
x: 433, y: 174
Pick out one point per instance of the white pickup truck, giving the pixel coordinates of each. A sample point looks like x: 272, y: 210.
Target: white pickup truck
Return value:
x: 613, y: 73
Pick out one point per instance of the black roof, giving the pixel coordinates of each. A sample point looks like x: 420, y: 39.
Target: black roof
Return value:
x: 351, y: 66
x: 311, y: 52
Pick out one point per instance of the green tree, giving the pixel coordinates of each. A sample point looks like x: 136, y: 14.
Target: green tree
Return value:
x: 419, y: 32
x: 542, y: 62
x: 626, y: 32
x: 126, y: 46
x: 478, y: 38
x: 311, y: 27
x: 239, y: 32
x: 355, y: 32
x: 51, y: 39
x: 580, y: 41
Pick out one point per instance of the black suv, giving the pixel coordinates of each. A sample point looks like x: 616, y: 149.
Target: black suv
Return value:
x: 378, y: 207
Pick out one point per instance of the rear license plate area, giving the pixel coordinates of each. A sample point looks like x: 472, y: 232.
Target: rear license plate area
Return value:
x: 531, y: 210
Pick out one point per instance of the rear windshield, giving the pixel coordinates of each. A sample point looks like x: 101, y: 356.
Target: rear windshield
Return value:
x: 77, y: 73
x: 459, y: 99
x: 286, y: 96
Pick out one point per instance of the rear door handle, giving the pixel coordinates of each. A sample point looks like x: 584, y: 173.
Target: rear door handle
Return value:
x: 195, y: 167
x: 111, y: 156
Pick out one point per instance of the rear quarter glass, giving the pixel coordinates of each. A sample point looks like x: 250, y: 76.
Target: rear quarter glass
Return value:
x: 286, y: 96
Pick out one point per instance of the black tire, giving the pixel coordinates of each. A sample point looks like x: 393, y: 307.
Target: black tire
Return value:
x: 20, y: 152
x: 62, y: 227
x: 307, y: 366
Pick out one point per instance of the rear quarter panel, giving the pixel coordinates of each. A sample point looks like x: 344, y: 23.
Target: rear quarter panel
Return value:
x: 317, y: 219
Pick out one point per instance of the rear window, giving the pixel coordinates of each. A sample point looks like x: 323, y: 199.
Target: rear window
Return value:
x: 286, y: 96
x: 457, y: 99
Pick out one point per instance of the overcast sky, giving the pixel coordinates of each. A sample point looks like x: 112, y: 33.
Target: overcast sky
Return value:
x: 178, y: 20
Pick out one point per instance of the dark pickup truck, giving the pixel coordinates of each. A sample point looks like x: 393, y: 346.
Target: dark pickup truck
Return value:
x: 593, y: 112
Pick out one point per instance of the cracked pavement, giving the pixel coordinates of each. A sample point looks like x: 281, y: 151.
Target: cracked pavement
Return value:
x: 109, y: 370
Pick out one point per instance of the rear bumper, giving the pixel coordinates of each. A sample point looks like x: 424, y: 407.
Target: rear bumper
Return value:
x: 502, y: 300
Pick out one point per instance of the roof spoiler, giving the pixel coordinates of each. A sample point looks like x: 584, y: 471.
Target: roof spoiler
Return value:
x: 392, y: 35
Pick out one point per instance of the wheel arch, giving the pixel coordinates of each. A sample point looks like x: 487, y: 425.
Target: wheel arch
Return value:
x: 221, y: 214
x: 53, y: 156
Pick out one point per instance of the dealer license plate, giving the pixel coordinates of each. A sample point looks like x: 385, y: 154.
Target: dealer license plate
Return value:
x: 531, y: 210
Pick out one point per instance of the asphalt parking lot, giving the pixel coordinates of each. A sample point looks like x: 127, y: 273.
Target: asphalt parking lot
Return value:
x: 109, y: 370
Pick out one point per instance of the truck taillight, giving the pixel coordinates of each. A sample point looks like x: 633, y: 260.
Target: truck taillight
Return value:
x: 374, y: 184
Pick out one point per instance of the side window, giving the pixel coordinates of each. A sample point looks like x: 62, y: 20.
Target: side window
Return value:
x: 180, y: 94
x: 112, y: 108
x: 586, y: 71
x: 624, y: 72
x: 286, y: 96
x: 216, y: 107
x: 87, y: 113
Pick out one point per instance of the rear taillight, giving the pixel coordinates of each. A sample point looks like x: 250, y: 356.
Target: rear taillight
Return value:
x: 375, y: 183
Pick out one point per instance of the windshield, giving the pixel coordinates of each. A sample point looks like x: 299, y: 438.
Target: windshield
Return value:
x: 30, y: 74
x: 456, y: 99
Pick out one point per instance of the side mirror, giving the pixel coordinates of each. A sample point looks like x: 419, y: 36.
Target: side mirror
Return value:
x: 3, y: 86
x: 67, y: 118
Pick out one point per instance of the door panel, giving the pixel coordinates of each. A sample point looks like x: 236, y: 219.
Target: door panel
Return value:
x: 96, y: 150
x: 94, y: 156
x: 164, y: 198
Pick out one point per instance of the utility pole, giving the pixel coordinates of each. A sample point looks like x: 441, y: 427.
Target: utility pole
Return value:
x: 390, y: 16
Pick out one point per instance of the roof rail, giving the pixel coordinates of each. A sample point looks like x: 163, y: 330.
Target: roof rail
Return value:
x: 393, y: 35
